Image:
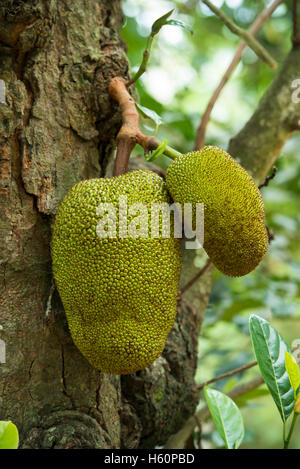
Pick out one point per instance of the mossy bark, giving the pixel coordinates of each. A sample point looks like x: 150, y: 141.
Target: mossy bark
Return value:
x: 57, y: 126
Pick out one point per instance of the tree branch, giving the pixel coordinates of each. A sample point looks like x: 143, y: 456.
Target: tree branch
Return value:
x: 257, y: 145
x: 194, y: 279
x: 226, y: 375
x: 260, y: 51
x: 254, y: 28
x: 178, y: 440
x: 143, y: 66
x: 130, y: 134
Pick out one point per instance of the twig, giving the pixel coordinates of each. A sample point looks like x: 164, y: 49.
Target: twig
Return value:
x: 156, y: 27
x: 254, y: 28
x: 268, y: 178
x: 194, y: 279
x: 178, y: 440
x: 296, y: 20
x: 226, y: 375
x: 130, y: 134
x: 260, y: 51
x: 143, y: 66
x: 199, y: 425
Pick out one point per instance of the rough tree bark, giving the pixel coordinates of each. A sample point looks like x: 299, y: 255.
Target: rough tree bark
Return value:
x: 57, y: 127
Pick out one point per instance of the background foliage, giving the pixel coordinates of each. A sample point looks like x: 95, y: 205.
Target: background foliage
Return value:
x: 183, y: 72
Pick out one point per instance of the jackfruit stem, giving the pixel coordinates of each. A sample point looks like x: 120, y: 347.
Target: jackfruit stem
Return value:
x: 171, y: 153
x: 154, y: 143
x: 130, y: 134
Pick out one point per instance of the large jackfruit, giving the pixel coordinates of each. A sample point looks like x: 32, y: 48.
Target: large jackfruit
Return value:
x: 235, y: 236
x: 119, y: 294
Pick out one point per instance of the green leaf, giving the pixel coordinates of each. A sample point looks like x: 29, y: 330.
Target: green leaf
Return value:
x: 160, y: 22
x: 254, y: 394
x: 226, y: 416
x: 270, y: 349
x: 293, y: 371
x: 148, y: 113
x: 239, y: 306
x: 181, y: 24
x: 9, y: 435
x: 230, y: 383
x: 156, y: 153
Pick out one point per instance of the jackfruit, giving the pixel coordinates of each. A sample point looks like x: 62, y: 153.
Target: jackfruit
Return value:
x: 119, y: 293
x: 235, y: 235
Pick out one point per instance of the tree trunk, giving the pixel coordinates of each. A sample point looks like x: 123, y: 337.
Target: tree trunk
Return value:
x: 56, y: 128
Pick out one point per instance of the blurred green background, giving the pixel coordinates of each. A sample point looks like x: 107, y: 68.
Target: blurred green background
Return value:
x: 182, y: 74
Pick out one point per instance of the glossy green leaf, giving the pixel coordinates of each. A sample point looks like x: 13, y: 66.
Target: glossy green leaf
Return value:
x: 270, y: 349
x: 226, y: 416
x: 9, y: 435
x: 160, y: 22
x: 181, y: 24
x: 156, y: 153
x: 293, y: 371
x: 148, y: 113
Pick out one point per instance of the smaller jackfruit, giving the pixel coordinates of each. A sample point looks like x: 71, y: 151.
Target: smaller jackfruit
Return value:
x: 235, y: 236
x: 119, y: 292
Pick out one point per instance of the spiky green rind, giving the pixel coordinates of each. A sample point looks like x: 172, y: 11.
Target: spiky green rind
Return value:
x: 119, y: 295
x: 235, y: 236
